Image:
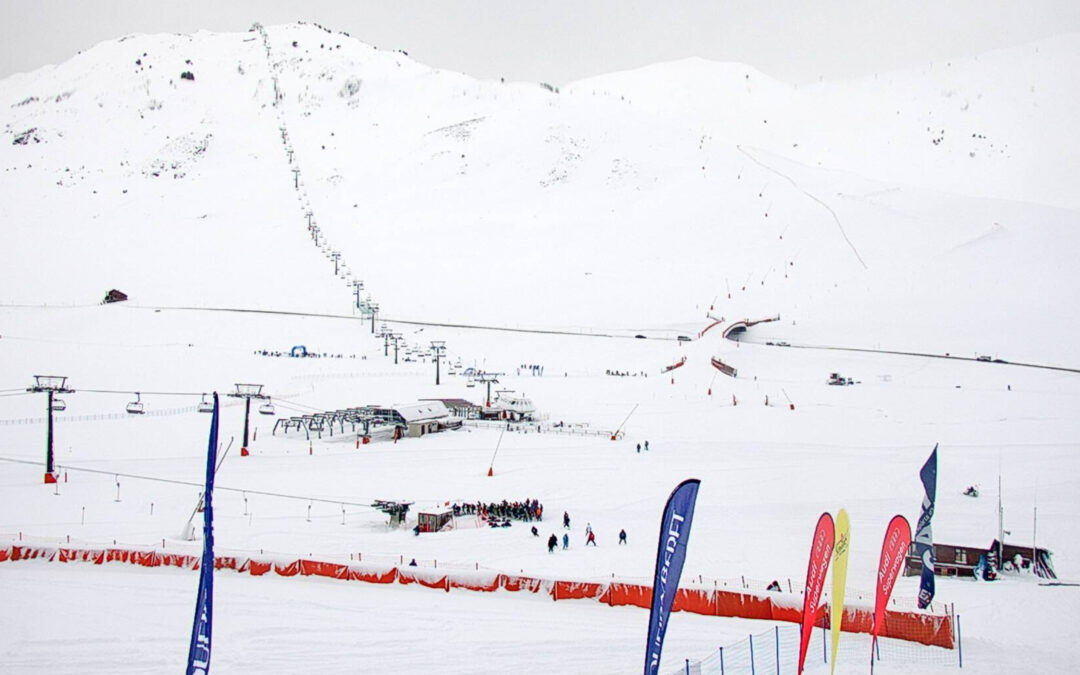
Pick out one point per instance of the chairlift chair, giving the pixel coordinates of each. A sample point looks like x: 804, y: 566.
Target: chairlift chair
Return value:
x: 266, y: 408
x: 136, y: 406
x: 58, y: 405
x: 205, y: 406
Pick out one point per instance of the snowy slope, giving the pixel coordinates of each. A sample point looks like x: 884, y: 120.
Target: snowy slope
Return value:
x: 621, y: 206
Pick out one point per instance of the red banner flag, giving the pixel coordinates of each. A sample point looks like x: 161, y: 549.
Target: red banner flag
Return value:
x: 820, y: 553
x: 893, y: 552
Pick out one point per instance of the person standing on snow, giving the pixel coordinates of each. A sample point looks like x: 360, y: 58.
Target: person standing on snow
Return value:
x: 552, y: 543
x: 590, y: 538
x: 646, y: 446
x: 565, y: 541
x: 566, y: 520
x: 622, y: 537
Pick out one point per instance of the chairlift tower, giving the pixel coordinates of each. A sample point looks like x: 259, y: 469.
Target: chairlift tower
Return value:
x: 358, y: 285
x: 488, y: 379
x: 397, y: 338
x: 336, y: 256
x: 385, y: 335
x: 51, y: 385
x: 373, y: 307
x: 247, y: 392
x: 438, y: 348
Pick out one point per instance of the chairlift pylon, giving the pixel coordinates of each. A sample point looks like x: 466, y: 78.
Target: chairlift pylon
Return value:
x: 136, y: 406
x: 205, y: 406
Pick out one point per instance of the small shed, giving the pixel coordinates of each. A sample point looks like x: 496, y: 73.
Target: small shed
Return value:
x: 114, y: 296
x: 424, y: 417
x: 436, y: 519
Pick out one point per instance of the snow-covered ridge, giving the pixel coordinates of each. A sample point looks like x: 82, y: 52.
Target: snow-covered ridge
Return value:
x: 622, y: 201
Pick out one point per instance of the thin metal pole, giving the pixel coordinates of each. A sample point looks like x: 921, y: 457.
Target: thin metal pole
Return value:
x: 721, y: 661
x: 959, y: 642
x: 752, y: 671
x: 777, y: 630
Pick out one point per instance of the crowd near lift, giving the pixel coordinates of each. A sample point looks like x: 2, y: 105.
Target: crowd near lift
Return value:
x: 136, y: 406
x: 205, y: 406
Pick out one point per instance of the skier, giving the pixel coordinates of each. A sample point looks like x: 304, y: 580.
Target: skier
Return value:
x: 639, y: 448
x: 565, y: 541
x: 412, y: 563
x: 646, y: 446
x: 534, y: 531
x: 622, y: 537
x: 566, y: 520
x: 590, y: 538
x: 552, y: 543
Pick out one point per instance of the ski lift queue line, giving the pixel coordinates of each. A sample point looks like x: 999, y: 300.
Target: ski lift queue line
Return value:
x: 195, y: 484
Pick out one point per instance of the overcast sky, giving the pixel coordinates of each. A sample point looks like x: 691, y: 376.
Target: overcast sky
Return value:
x: 558, y: 41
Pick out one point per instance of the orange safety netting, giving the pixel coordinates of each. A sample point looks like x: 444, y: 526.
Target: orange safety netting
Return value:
x: 573, y: 590
x: 926, y: 629
x: 372, y: 577
x: 628, y: 594
x: 516, y: 583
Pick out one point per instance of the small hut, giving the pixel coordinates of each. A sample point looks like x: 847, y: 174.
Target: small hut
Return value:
x: 433, y: 520
x: 114, y: 296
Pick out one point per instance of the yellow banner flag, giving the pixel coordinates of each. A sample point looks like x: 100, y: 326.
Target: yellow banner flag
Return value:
x: 839, y: 580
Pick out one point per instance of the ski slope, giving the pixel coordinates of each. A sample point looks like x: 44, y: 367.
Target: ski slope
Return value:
x: 635, y: 204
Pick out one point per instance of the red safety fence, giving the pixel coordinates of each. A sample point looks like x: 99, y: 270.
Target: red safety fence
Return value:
x: 927, y: 629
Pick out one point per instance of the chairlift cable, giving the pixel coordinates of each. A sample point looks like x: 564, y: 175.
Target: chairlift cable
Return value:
x: 173, y: 481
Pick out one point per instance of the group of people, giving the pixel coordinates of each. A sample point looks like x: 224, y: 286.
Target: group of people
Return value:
x: 620, y: 373
x: 646, y: 446
x: 528, y: 510
x: 304, y: 355
x: 534, y: 370
x: 590, y: 536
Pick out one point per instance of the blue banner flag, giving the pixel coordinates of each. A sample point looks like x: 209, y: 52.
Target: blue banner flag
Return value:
x: 670, y: 555
x: 924, y: 538
x: 199, y: 651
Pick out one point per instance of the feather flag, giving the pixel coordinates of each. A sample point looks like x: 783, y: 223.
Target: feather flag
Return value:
x: 893, y: 552
x: 924, y: 537
x: 839, y: 580
x: 820, y: 552
x: 670, y: 555
x: 198, y: 661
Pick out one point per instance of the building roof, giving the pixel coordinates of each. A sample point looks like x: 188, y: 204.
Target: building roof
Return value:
x: 423, y: 411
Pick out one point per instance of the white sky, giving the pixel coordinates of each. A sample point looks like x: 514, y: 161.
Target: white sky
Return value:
x: 558, y: 41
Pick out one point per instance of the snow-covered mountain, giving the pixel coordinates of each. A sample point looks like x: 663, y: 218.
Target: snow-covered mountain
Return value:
x: 928, y: 211
x: 690, y: 180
